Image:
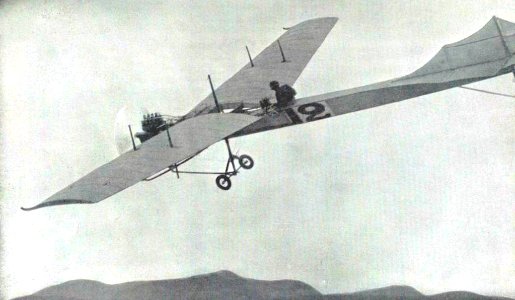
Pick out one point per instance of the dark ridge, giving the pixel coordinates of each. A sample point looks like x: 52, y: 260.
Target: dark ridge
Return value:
x: 226, y: 285
x: 462, y: 295
x: 218, y: 285
x: 390, y: 292
x: 396, y: 292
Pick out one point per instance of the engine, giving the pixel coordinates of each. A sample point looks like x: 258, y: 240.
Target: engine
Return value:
x: 151, y: 124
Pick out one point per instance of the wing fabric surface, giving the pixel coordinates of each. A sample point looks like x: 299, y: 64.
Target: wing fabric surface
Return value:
x: 188, y: 137
x: 251, y: 84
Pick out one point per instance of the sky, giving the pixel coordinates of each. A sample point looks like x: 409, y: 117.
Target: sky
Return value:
x: 418, y: 193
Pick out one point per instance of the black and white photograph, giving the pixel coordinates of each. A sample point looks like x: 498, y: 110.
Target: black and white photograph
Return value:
x: 355, y: 150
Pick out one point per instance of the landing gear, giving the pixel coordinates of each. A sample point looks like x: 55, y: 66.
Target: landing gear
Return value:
x: 246, y: 161
x: 223, y: 182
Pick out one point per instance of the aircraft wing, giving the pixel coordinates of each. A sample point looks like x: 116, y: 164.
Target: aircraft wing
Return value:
x: 188, y: 138
x: 251, y: 84
x: 488, y: 53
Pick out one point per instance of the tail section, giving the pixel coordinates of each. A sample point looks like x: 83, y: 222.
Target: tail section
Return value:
x: 488, y: 53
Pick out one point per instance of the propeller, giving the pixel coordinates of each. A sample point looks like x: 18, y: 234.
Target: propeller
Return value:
x: 132, y: 115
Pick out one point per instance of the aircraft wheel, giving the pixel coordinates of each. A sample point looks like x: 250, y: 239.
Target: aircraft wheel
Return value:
x: 246, y: 161
x: 223, y: 182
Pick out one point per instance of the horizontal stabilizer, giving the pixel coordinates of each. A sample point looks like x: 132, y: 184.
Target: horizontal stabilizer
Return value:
x: 486, y: 53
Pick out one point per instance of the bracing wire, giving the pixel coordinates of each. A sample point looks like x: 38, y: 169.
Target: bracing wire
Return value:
x: 487, y: 92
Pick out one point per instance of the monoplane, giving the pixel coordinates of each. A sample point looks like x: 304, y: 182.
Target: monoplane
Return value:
x: 234, y: 109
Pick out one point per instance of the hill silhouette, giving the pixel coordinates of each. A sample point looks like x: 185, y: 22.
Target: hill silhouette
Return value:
x: 225, y: 285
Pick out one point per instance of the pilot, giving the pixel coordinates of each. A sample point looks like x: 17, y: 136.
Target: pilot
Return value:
x: 284, y: 94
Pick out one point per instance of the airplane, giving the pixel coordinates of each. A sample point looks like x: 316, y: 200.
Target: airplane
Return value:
x: 236, y: 108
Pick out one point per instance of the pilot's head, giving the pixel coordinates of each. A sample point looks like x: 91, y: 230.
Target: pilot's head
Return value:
x: 274, y: 85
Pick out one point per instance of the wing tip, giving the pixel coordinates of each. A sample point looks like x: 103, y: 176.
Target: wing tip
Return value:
x: 33, y: 207
x: 57, y: 202
x: 329, y: 20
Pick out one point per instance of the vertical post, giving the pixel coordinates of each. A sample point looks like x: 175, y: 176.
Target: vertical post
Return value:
x: 250, y: 57
x: 214, y: 94
x: 175, y: 169
x: 230, y: 154
x: 132, y: 138
x: 169, y: 138
x: 281, y: 49
x: 506, y: 49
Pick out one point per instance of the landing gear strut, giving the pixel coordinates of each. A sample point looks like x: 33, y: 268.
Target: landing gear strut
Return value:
x: 223, y: 181
x: 246, y: 162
